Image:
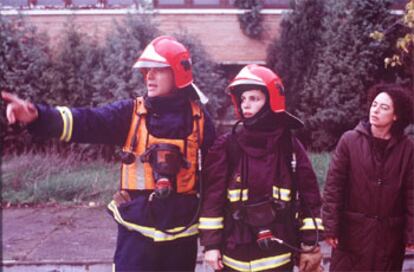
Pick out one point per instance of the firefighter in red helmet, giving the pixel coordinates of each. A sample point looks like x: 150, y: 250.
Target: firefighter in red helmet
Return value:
x: 163, y: 136
x: 261, y: 200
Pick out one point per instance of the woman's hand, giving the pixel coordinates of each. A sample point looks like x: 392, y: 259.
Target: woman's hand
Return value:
x: 332, y: 241
x: 213, y: 258
x: 19, y: 110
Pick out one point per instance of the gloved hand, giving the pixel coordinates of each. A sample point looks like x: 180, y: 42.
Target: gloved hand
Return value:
x: 310, y: 262
x: 121, y: 197
x: 213, y: 258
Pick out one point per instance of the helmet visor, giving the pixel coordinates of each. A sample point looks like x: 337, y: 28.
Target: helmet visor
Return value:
x: 149, y: 64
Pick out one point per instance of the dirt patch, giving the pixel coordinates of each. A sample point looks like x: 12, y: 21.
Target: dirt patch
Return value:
x: 53, y: 232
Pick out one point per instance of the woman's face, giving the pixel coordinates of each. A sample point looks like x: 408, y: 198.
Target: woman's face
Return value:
x: 381, y: 113
x: 251, y: 102
x: 159, y: 81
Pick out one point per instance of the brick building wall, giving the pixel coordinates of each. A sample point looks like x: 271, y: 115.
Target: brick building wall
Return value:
x: 219, y: 31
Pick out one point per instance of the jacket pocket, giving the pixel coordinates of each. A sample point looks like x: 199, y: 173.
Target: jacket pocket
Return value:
x: 343, y: 260
x: 359, y: 232
x: 392, y: 239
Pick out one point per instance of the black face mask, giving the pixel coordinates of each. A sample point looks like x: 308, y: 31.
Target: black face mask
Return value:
x: 265, y: 119
x: 165, y: 104
x: 166, y: 161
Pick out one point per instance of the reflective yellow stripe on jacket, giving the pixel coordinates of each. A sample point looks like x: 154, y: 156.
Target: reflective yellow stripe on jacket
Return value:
x: 281, y: 193
x: 308, y: 224
x: 211, y: 223
x: 258, y: 264
x: 67, y: 120
x: 233, y: 195
x: 151, y: 232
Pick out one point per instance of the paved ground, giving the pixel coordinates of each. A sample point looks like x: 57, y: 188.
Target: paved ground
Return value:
x: 69, y: 239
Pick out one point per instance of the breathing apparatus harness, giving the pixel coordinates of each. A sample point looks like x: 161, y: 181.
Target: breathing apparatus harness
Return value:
x: 166, y: 160
x: 261, y: 215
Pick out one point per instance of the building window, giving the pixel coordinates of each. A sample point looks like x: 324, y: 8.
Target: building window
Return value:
x: 207, y: 2
x: 276, y: 3
x: 50, y: 3
x: 14, y: 3
x: 285, y: 4
x: 170, y: 2
x: 23, y: 4
x: 214, y: 3
x: 191, y: 3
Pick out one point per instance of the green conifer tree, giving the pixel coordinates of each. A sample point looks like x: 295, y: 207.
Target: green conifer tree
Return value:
x: 78, y: 57
x: 208, y: 75
x: 116, y: 78
x: 292, y: 55
x: 24, y: 63
x: 24, y: 58
x: 251, y: 19
x: 348, y: 63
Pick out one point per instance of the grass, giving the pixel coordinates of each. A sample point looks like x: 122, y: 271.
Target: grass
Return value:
x: 320, y: 163
x: 50, y: 178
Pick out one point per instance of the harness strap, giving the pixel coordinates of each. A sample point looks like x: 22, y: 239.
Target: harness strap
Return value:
x: 138, y: 109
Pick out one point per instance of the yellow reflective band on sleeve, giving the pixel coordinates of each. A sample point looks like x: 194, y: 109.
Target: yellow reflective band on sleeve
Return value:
x: 258, y: 264
x: 67, y: 119
x: 234, y: 195
x: 151, y: 232
x: 281, y: 193
x: 235, y: 264
x: 211, y: 223
x: 309, y: 225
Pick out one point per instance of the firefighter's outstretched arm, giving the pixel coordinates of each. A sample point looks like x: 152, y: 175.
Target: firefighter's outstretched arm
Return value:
x: 18, y: 110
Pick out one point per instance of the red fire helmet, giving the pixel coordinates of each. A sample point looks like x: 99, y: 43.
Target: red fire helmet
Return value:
x: 255, y: 76
x: 166, y: 51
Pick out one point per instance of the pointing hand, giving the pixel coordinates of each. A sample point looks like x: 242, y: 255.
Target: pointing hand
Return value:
x: 18, y: 110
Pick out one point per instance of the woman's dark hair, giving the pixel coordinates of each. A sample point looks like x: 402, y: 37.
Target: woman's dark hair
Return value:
x: 403, y: 104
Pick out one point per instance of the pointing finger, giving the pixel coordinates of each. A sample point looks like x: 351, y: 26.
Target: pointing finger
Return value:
x: 220, y: 264
x: 9, y: 97
x: 10, y: 114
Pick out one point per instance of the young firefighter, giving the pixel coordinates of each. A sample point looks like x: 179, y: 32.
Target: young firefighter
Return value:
x: 261, y: 197
x: 162, y: 135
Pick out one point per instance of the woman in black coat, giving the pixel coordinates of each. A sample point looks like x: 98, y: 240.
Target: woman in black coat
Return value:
x: 368, y: 209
